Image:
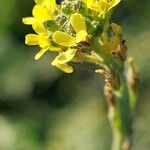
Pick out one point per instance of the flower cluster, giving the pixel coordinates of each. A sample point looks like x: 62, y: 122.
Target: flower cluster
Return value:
x: 101, y: 6
x: 76, y: 30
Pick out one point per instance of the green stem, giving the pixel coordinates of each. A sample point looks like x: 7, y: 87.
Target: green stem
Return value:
x: 122, y: 120
x: 117, y: 140
x: 119, y: 110
x: 117, y: 95
x: 116, y: 132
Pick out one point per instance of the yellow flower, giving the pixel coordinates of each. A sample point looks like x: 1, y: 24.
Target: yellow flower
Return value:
x: 66, y: 40
x: 43, y: 41
x: 101, y: 6
x: 61, y: 60
x: 41, y: 13
x: 41, y: 38
x: 50, y: 4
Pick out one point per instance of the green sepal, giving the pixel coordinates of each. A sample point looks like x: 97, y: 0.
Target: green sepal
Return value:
x: 81, y: 8
x: 61, y: 19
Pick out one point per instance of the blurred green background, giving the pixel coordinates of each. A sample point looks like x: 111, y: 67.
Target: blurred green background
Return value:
x: 42, y: 108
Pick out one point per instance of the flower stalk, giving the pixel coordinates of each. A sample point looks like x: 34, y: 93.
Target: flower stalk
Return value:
x: 81, y: 31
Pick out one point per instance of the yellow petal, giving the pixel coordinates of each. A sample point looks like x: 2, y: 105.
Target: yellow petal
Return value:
x: 81, y: 36
x: 50, y: 4
x: 89, y: 2
x: 40, y: 54
x: 42, y: 13
x: 64, y: 67
x: 53, y: 4
x: 116, y: 28
x: 65, y: 57
x: 61, y: 60
x: 102, y: 5
x: 94, y: 5
x: 78, y: 23
x: 28, y: 20
x: 63, y: 39
x: 113, y: 3
x: 96, y: 8
x: 38, y: 27
x: 31, y: 39
x: 38, y: 1
x: 54, y: 48
x: 43, y: 41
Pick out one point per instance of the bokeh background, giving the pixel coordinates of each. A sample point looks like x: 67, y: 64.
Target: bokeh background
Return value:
x: 42, y: 108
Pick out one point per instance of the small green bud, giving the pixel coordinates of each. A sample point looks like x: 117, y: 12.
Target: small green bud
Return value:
x: 51, y: 25
x: 89, y: 26
x: 67, y: 8
x: 61, y: 19
x: 81, y: 8
x: 98, y: 27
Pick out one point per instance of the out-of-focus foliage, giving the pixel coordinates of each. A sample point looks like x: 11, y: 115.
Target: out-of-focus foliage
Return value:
x: 42, y: 108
